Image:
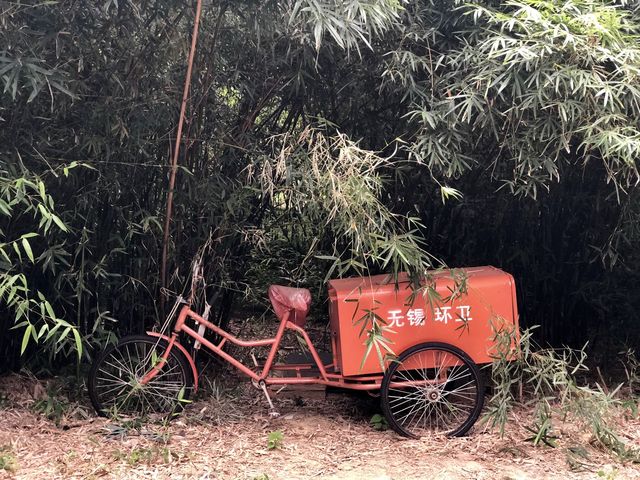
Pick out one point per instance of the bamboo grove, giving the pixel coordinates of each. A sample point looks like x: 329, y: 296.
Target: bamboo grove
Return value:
x: 323, y: 138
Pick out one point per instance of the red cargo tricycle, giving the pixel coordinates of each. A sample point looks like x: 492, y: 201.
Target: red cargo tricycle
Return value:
x: 431, y: 384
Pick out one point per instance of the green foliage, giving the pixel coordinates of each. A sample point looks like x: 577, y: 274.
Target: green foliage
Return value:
x: 274, y: 439
x: 542, y: 431
x: 379, y: 422
x: 337, y: 186
x: 23, y: 197
x: 181, y: 403
x: 7, y: 459
x: 52, y: 406
x: 547, y: 379
x: 631, y: 365
x: 145, y: 455
x: 523, y: 97
x: 611, y: 474
x: 540, y: 85
x: 323, y: 138
x: 348, y: 24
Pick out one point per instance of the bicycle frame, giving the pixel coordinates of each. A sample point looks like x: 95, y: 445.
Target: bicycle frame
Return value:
x: 364, y: 382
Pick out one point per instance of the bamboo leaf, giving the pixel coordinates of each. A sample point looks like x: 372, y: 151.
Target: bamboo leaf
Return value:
x: 78, y: 340
x: 25, y: 338
x: 27, y: 248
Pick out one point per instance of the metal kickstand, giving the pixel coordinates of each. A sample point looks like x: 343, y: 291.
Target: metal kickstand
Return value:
x: 273, y: 413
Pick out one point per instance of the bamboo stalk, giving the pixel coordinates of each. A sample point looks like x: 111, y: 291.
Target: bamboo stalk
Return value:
x: 176, y: 153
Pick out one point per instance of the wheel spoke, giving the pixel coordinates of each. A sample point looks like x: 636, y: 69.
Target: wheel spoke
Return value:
x: 107, y: 389
x: 114, y: 378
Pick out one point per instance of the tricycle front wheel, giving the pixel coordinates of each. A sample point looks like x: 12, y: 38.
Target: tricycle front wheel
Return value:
x: 116, y: 386
x: 432, y: 388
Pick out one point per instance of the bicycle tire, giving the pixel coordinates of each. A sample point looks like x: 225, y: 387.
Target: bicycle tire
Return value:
x: 448, y: 400
x: 114, y: 379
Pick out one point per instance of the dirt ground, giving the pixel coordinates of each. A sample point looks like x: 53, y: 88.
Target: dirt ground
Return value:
x: 224, y: 434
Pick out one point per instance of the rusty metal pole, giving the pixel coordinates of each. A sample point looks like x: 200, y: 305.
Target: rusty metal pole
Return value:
x: 176, y: 153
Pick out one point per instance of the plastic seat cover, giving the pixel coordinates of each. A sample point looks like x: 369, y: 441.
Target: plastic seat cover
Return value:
x: 296, y: 300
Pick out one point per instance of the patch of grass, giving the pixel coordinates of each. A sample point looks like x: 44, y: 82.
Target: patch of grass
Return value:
x: 146, y: 455
x: 608, y: 475
x: 7, y: 459
x: 274, y: 440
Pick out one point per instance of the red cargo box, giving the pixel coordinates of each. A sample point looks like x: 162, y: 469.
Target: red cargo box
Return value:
x: 464, y: 322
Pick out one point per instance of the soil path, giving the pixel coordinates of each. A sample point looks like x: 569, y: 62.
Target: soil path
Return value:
x: 224, y: 436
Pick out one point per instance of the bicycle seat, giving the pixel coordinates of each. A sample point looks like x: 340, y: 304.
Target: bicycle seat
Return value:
x: 296, y: 300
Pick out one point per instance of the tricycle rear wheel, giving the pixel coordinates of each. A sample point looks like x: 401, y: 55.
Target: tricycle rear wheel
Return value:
x: 432, y: 388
